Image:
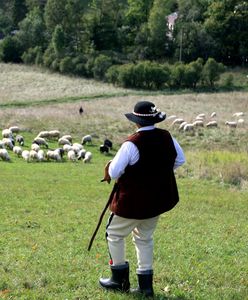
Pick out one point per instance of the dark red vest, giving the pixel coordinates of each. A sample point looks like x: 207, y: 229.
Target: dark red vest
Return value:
x: 148, y: 188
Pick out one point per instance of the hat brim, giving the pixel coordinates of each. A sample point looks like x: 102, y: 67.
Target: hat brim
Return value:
x: 144, y: 121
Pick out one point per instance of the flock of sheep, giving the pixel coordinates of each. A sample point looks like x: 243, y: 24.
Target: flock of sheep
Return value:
x: 203, y: 120
x: 39, y: 150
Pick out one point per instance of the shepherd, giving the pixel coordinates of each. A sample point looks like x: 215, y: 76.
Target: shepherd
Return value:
x: 145, y: 188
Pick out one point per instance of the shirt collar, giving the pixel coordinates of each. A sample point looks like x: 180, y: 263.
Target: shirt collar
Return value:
x: 150, y: 127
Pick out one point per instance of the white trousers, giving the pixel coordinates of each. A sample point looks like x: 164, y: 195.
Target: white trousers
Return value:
x: 119, y: 228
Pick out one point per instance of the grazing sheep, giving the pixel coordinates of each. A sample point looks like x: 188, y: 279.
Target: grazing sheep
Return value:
x: 188, y: 127
x: 40, y: 141
x: 54, y: 134
x: 8, y: 143
x: 104, y: 149
x: 71, y: 155
x: 81, y: 154
x: 212, y: 124
x: 213, y: 114
x: 60, y: 151
x: 231, y: 124
x: 238, y: 114
x: 87, y: 157
x: 25, y: 155
x: 4, y: 155
x: 2, y: 145
x: 241, y: 121
x: 67, y: 137
x: 33, y: 155
x: 181, y: 126
x: 108, y: 143
x: 54, y: 155
x: 14, y: 129
x: 43, y: 134
x: 62, y: 141
x: 67, y: 148
x: 41, y: 155
x: 20, y: 140
x: 77, y: 147
x: 35, y: 147
x: 201, y: 116
x: 6, y: 133
x: 198, y: 123
x: 17, y: 150
x: 177, y: 121
x: 86, y: 139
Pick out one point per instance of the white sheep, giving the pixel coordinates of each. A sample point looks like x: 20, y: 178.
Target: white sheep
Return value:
x: 238, y: 114
x: 77, y: 147
x: 40, y: 141
x: 14, y: 129
x: 213, y: 114
x: 2, y: 145
x: 62, y: 141
x: 6, y: 133
x: 86, y: 139
x: 41, y: 155
x: 67, y: 148
x: 43, y: 134
x: 71, y: 155
x: 231, y: 124
x: 54, y: 155
x: 181, y: 126
x: 25, y: 155
x: 171, y: 117
x: 198, y: 123
x: 177, y: 121
x: 201, y: 116
x: 67, y: 137
x: 241, y: 121
x: 35, y: 147
x: 17, y: 150
x: 33, y: 155
x: 188, y: 127
x: 8, y: 143
x: 4, y: 155
x: 87, y: 157
x: 212, y: 124
x: 54, y: 134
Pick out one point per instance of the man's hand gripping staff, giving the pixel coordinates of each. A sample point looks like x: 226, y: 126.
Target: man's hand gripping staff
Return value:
x: 106, y: 173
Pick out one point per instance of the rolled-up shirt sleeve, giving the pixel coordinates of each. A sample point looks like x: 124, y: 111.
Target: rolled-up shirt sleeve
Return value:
x: 180, y: 159
x: 128, y: 154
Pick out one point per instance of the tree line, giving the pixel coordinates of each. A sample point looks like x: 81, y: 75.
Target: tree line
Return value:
x: 128, y: 42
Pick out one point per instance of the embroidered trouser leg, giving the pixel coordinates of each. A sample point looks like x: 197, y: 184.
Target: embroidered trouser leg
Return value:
x: 119, y: 228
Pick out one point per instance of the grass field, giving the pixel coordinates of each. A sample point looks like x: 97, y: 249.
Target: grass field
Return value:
x: 49, y: 210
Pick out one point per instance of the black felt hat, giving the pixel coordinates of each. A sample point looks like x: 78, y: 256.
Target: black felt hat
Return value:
x: 145, y: 113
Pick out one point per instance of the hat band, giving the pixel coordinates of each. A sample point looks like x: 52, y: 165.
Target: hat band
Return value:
x: 145, y: 115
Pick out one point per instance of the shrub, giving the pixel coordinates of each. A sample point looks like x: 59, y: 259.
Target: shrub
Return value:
x: 101, y: 65
x: 211, y: 71
x: 49, y: 56
x: 66, y: 65
x: 79, y: 65
x: 193, y: 73
x: 10, y: 50
x: 177, y: 72
x: 32, y: 55
x: 112, y: 74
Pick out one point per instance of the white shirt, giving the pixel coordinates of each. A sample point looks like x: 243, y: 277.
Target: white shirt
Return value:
x: 128, y: 154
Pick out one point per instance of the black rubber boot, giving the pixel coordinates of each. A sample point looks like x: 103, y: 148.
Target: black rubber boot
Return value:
x: 145, y: 279
x: 119, y: 280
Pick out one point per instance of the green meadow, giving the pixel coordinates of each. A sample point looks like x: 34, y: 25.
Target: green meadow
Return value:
x: 49, y: 210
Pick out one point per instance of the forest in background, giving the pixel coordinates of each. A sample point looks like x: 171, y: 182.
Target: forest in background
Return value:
x: 132, y: 43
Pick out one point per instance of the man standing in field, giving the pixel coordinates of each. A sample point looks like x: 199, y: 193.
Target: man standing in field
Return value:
x: 145, y: 188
